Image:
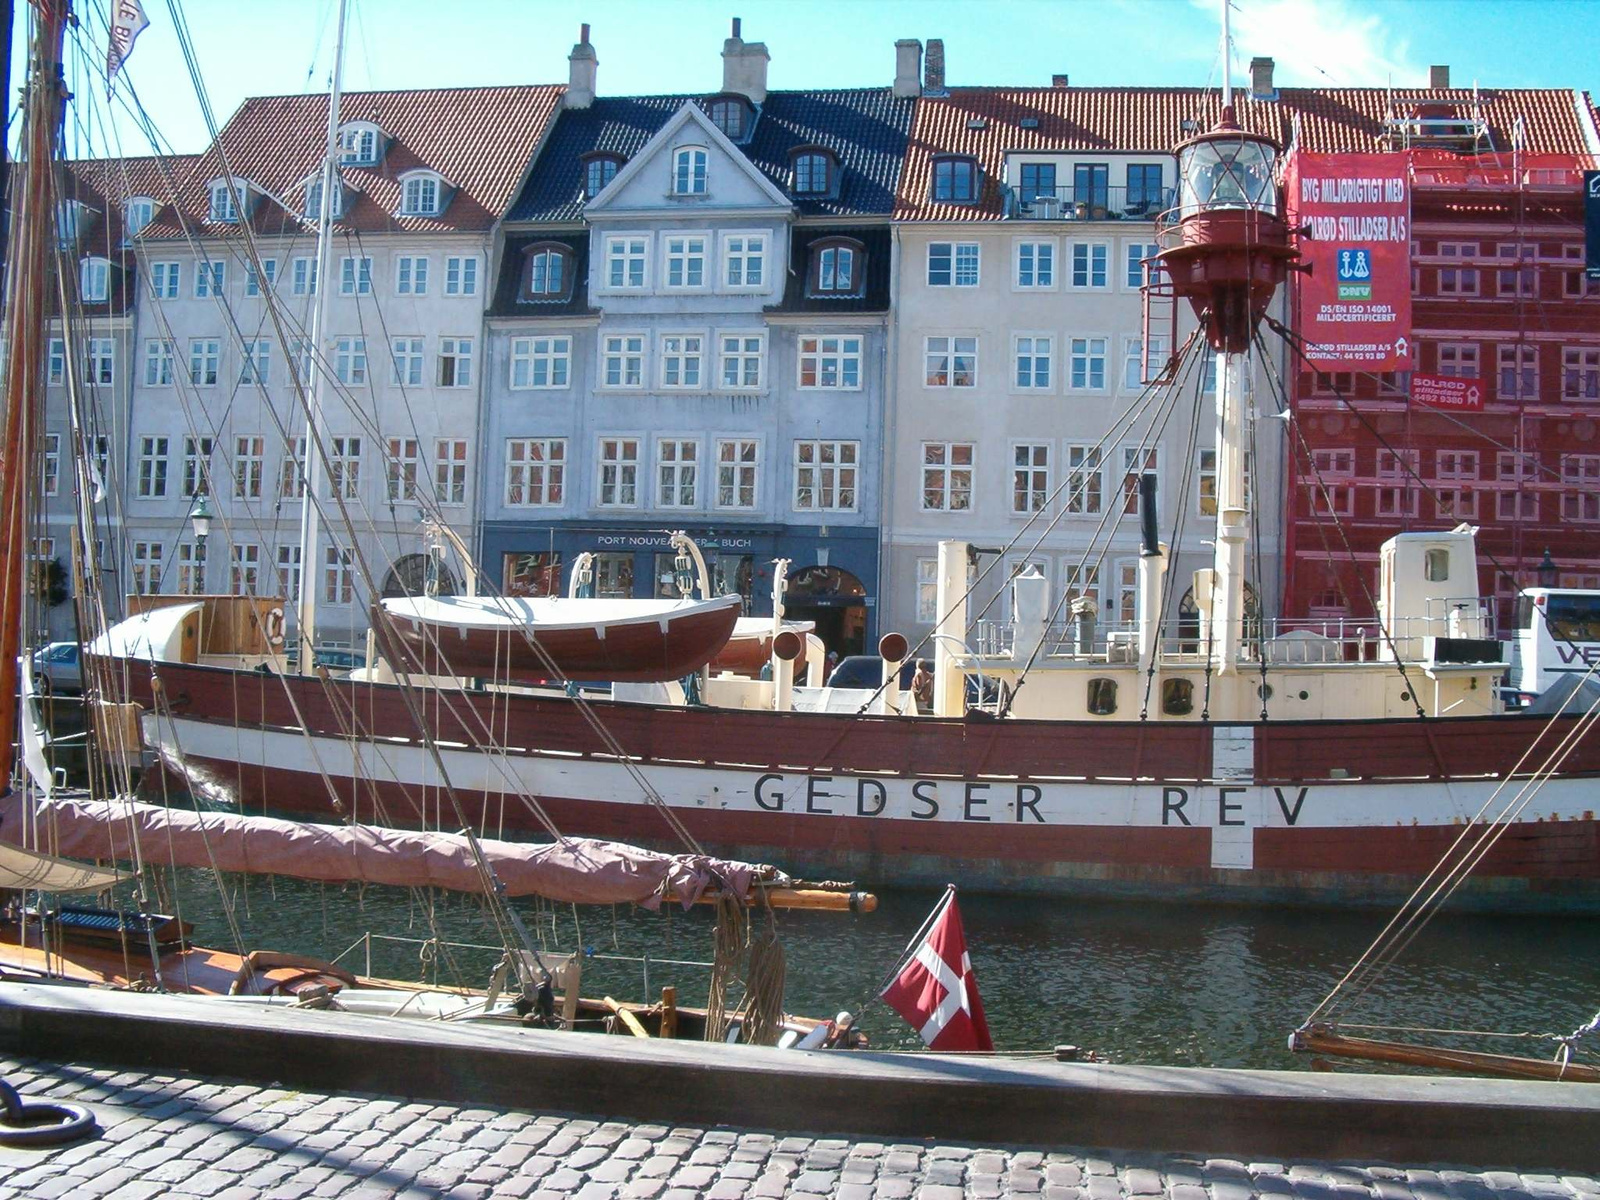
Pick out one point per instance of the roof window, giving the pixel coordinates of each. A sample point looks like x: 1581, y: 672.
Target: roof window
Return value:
x: 360, y: 144
x: 599, y: 170
x: 815, y: 171
x: 955, y: 179
x: 422, y: 194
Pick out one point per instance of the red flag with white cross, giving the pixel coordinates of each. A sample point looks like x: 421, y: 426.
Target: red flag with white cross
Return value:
x: 936, y: 991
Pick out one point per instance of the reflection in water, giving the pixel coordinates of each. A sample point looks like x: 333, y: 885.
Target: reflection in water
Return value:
x: 1188, y: 986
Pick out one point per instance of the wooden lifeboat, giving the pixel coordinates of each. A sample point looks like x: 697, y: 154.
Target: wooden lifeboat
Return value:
x: 750, y: 647
x: 500, y: 637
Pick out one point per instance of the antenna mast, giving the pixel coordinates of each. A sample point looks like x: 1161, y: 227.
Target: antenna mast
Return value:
x: 1227, y: 59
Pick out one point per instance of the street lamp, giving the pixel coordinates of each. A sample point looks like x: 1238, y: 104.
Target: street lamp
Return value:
x: 1549, y: 574
x: 200, y: 518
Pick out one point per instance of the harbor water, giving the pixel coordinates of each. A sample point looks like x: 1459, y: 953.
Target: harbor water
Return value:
x: 1136, y: 983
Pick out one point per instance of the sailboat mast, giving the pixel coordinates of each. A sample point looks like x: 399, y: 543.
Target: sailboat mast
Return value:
x: 316, y: 376
x: 1227, y: 59
x: 27, y: 292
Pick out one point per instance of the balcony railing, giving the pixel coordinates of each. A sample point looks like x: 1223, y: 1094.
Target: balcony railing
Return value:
x: 1088, y: 203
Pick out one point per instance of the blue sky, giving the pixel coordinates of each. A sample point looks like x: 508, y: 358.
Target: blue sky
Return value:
x: 673, y: 45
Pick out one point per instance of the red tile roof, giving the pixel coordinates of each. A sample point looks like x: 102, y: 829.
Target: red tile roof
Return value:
x: 479, y: 139
x: 986, y: 123
x: 103, y: 186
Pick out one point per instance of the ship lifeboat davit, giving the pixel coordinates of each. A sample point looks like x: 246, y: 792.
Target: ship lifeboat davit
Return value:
x: 521, y: 639
x: 750, y: 647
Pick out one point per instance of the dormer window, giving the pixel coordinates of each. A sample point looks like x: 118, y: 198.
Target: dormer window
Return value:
x: 814, y: 172
x: 313, y: 210
x: 689, y: 171
x: 838, y: 267
x: 955, y: 179
x: 359, y: 144
x: 422, y: 195
x: 599, y: 170
x: 69, y: 222
x: 140, y: 212
x: 222, y: 206
x: 731, y: 116
x: 95, y: 281
x: 547, y: 272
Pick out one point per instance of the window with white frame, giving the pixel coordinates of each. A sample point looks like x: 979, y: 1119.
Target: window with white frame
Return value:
x: 244, y: 568
x: 256, y: 363
x: 52, y: 463
x: 355, y: 276
x: 313, y: 207
x: 622, y: 360
x: 147, y: 558
x: 835, y: 268
x: 223, y: 209
x: 927, y: 591
x: 1515, y: 499
x: 541, y: 362
x: 1030, y: 477
x: 686, y: 261
x: 689, y: 171
x: 191, y: 569
x: 947, y: 476
x: 597, y: 172
x: 409, y: 361
x: 1079, y: 581
x: 1133, y: 369
x: 738, y: 472
x: 536, y: 470
x: 677, y: 472
x: 951, y: 362
x: 1032, y: 352
x: 825, y: 476
x: 1088, y: 365
x: 1138, y: 462
x: 619, y: 472
x: 1036, y: 264
x: 205, y: 361
x: 401, y: 461
x: 1456, y: 279
x: 545, y: 272
x: 303, y: 277
x: 292, y: 478
x: 164, y: 279
x: 422, y: 195
x: 953, y: 264
x: 1580, y: 373
x: 830, y: 362
x: 1580, y: 488
x: 344, y: 468
x: 358, y: 145
x: 210, y: 278
x: 1519, y: 372
x: 1084, y: 480
x: 300, y: 360
x: 1135, y: 255
x: 1520, y: 279
x: 253, y: 281
x: 461, y: 275
x: 289, y: 573
x: 1206, y: 480
x: 744, y: 260
x: 101, y: 355
x: 411, y: 275
x: 56, y: 357
x: 350, y: 360
x: 1455, y: 495
x: 741, y: 356
x: 682, y: 359
x: 450, y: 470
x: 338, y: 575
x: 1090, y: 264
x: 94, y: 280
x: 249, y: 465
x: 152, y: 468
x: 1397, y: 483
x: 455, y: 362
x: 1458, y: 359
x: 140, y: 211
x: 196, y: 465
x: 627, y: 262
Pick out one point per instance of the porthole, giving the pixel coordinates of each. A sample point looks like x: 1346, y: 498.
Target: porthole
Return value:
x: 1405, y: 695
x: 1305, y: 695
x: 1102, y: 697
x: 1264, y: 691
x: 1177, y: 697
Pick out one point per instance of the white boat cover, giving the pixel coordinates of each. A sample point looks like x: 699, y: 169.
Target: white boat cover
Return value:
x: 153, y: 636
x: 547, y: 613
x: 21, y: 868
x: 574, y: 870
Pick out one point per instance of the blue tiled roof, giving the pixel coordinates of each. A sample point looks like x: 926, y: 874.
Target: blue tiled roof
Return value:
x: 865, y: 128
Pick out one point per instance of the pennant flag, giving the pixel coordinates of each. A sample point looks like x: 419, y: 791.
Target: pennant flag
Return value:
x: 127, y: 23
x: 936, y: 991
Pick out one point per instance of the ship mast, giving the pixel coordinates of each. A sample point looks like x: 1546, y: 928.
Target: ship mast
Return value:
x: 311, y: 458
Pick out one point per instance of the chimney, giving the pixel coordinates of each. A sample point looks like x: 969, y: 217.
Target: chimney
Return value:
x: 582, y: 65
x: 1058, y: 81
x: 1439, y: 77
x: 933, y: 84
x: 907, y: 68
x: 1261, y: 80
x: 744, y: 66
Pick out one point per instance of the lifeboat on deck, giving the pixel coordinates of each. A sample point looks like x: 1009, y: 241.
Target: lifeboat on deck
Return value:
x: 750, y: 647
x: 532, y: 639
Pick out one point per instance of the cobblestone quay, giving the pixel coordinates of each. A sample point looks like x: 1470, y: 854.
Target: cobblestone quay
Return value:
x: 172, y: 1135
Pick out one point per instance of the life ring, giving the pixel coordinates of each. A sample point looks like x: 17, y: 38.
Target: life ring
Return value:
x: 272, y: 625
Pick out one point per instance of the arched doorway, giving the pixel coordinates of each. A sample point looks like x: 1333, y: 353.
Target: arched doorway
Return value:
x: 836, y: 600
x: 410, y: 575
x: 1189, y: 620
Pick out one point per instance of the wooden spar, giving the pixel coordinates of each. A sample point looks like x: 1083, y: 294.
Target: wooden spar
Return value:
x: 1320, y: 1040
x: 814, y: 899
x: 626, y: 1017
x: 669, y: 1012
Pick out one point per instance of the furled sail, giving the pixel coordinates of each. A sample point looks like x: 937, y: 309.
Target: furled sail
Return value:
x: 575, y: 870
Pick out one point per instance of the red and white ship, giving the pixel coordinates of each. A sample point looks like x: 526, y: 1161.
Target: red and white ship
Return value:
x: 1228, y: 763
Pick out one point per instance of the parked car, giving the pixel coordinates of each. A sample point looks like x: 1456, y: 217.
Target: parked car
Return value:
x: 866, y: 671
x: 57, y: 668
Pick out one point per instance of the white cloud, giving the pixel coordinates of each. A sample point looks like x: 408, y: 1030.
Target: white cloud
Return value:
x: 1320, y: 43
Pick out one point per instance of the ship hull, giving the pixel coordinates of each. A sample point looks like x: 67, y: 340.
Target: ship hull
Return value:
x: 1348, y: 812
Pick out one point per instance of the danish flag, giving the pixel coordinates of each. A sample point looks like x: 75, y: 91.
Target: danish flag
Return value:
x: 936, y: 991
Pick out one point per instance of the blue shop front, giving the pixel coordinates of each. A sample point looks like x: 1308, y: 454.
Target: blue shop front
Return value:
x: 833, y: 570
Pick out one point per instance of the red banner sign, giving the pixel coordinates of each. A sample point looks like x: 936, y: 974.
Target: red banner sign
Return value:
x: 1354, y: 309
x: 1447, y: 391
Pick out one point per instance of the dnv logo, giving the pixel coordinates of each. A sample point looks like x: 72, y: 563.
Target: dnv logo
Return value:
x: 1355, y: 273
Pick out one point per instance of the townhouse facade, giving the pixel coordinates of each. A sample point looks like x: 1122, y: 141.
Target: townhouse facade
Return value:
x: 689, y: 332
